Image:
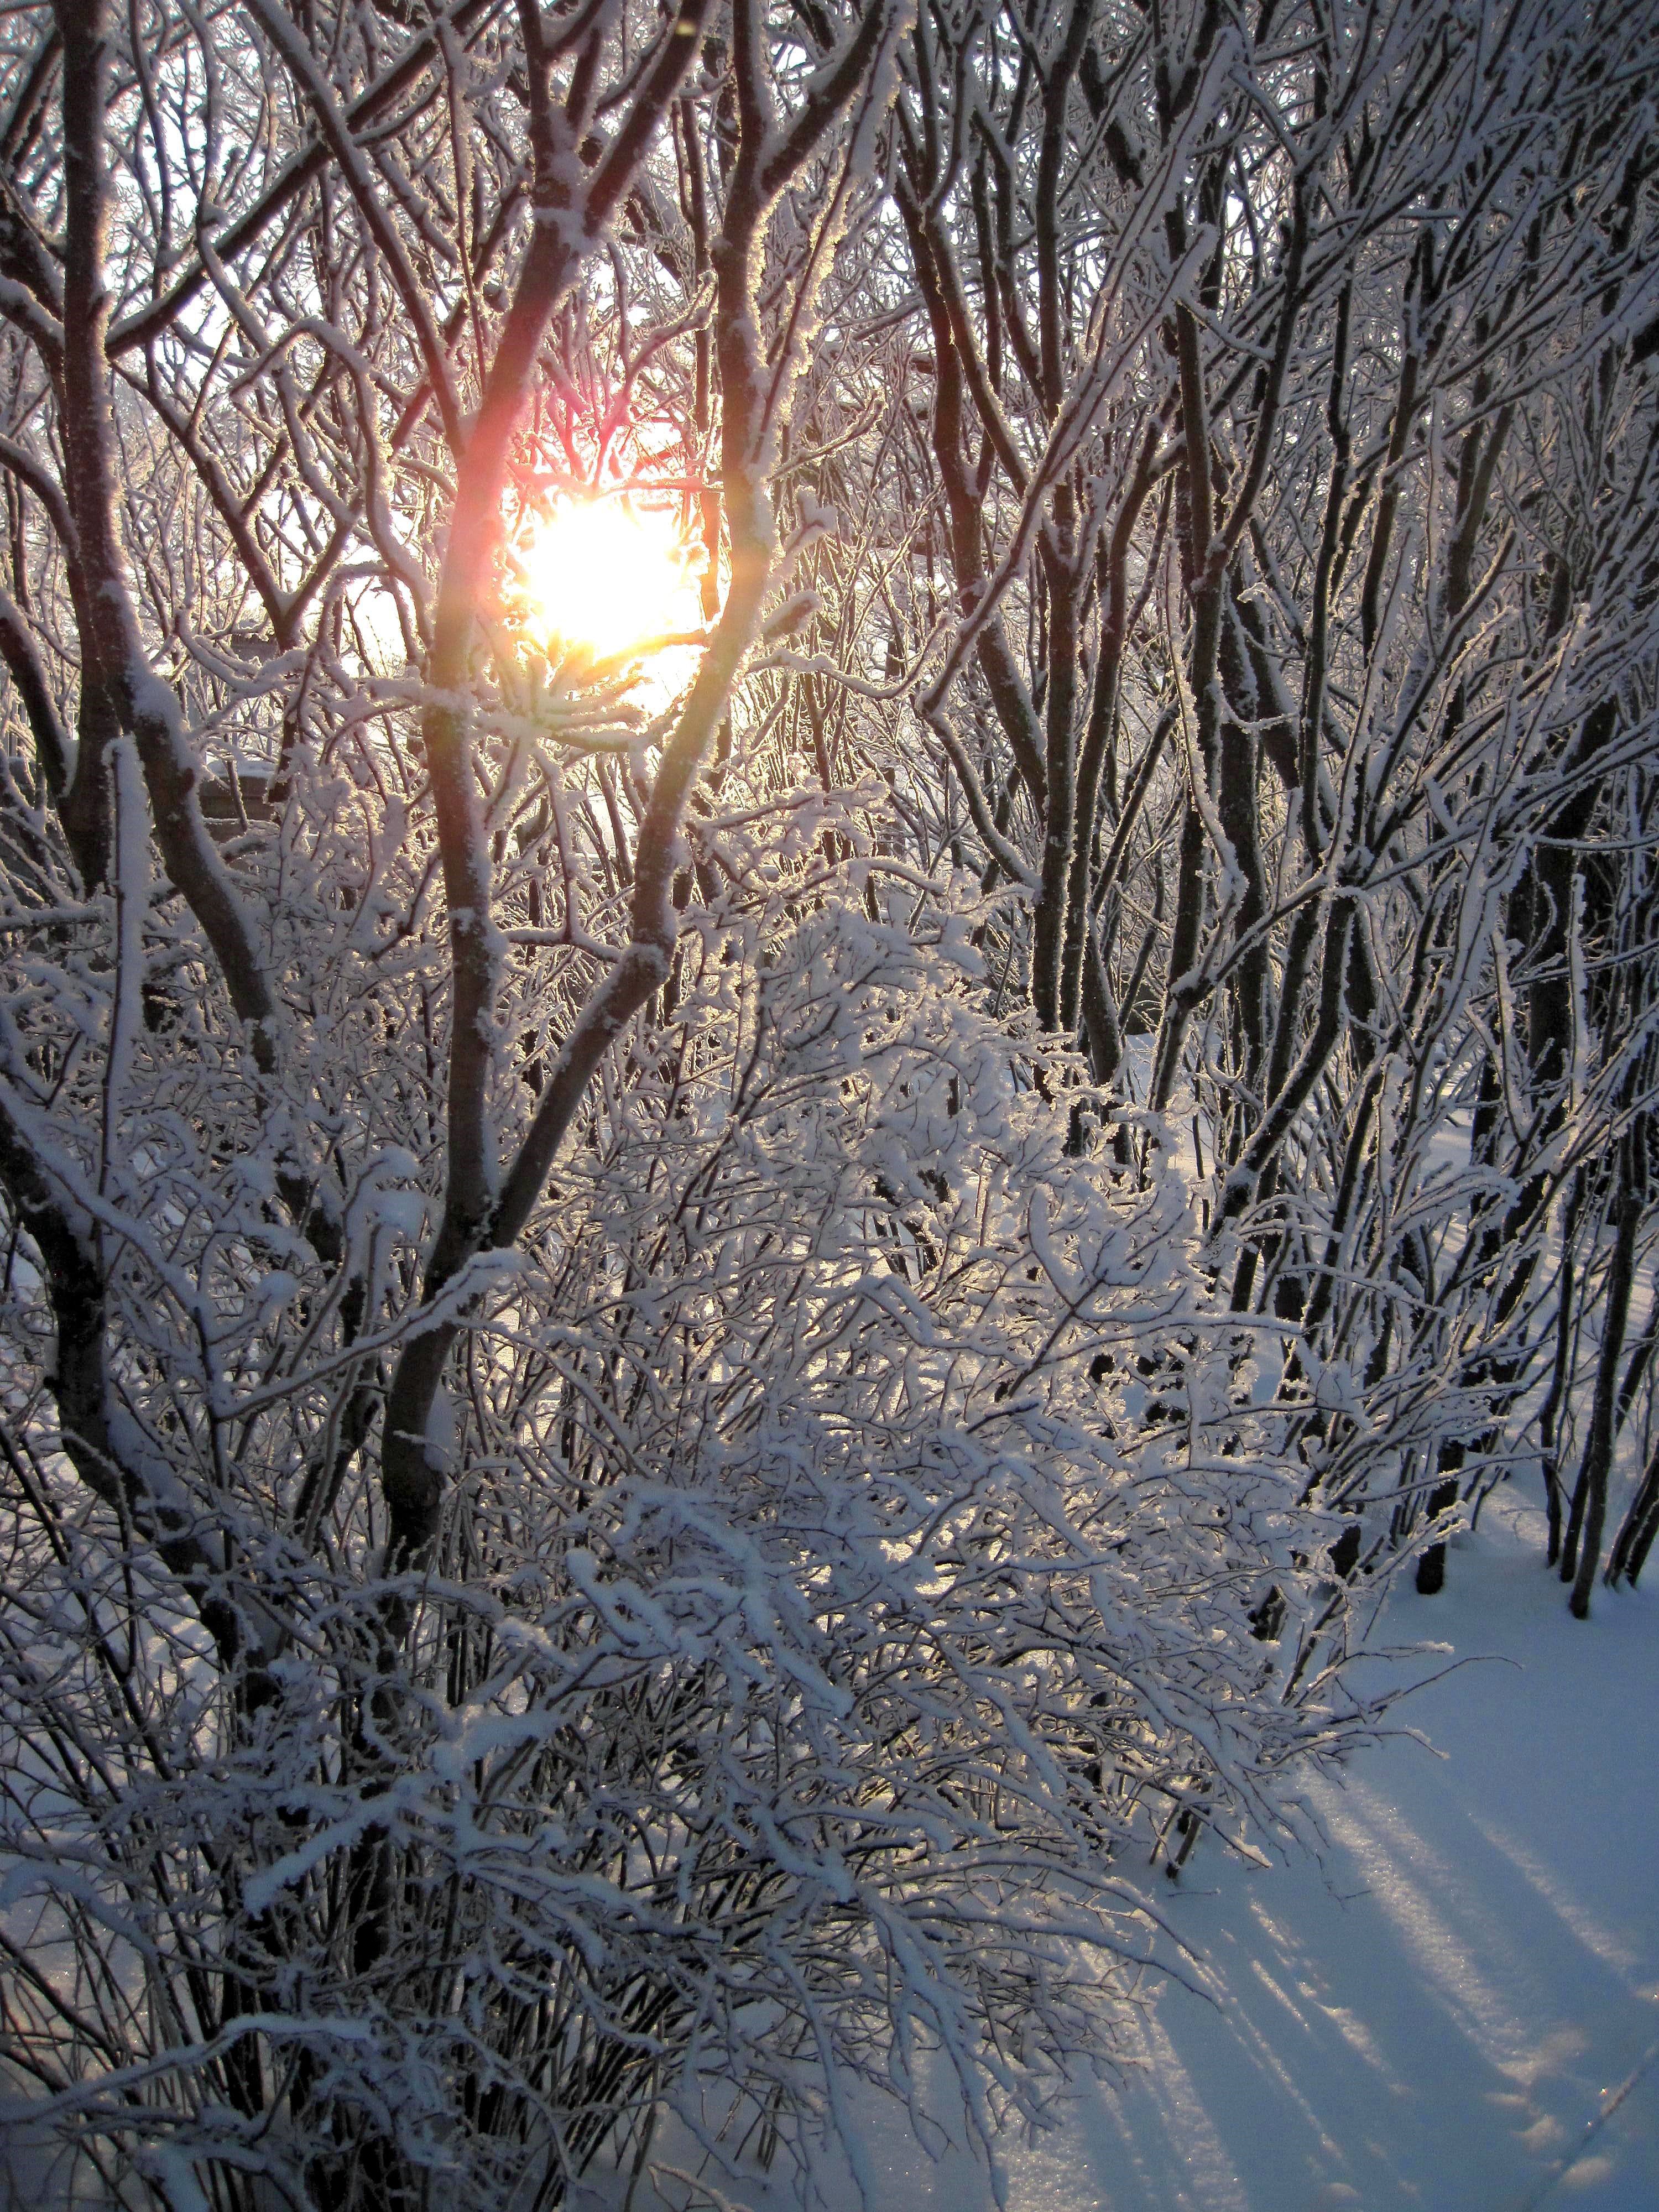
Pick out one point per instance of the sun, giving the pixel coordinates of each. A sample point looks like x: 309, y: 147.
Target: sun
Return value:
x: 603, y: 577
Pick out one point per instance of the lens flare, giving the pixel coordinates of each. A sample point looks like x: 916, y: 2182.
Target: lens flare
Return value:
x: 602, y: 577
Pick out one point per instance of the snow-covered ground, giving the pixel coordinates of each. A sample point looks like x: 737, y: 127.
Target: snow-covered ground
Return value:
x: 1457, y: 2011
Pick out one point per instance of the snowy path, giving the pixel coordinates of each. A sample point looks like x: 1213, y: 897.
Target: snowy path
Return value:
x: 1443, y: 2016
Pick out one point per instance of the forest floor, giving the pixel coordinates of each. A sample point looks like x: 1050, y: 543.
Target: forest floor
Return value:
x: 1455, y: 2009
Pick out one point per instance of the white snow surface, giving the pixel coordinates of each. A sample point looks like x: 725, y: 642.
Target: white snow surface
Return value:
x: 1456, y: 2009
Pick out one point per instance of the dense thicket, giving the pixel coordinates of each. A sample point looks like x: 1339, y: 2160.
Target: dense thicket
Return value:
x: 1281, y: 456
x: 698, y: 1343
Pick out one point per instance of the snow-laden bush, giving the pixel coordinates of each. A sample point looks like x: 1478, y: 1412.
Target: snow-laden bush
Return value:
x: 861, y: 1539
x: 619, y: 1488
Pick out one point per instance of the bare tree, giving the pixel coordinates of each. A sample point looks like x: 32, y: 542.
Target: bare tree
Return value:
x: 606, y: 1502
x: 1280, y: 416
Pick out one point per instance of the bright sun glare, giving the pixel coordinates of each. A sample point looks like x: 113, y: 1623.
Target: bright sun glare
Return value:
x: 603, y: 576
